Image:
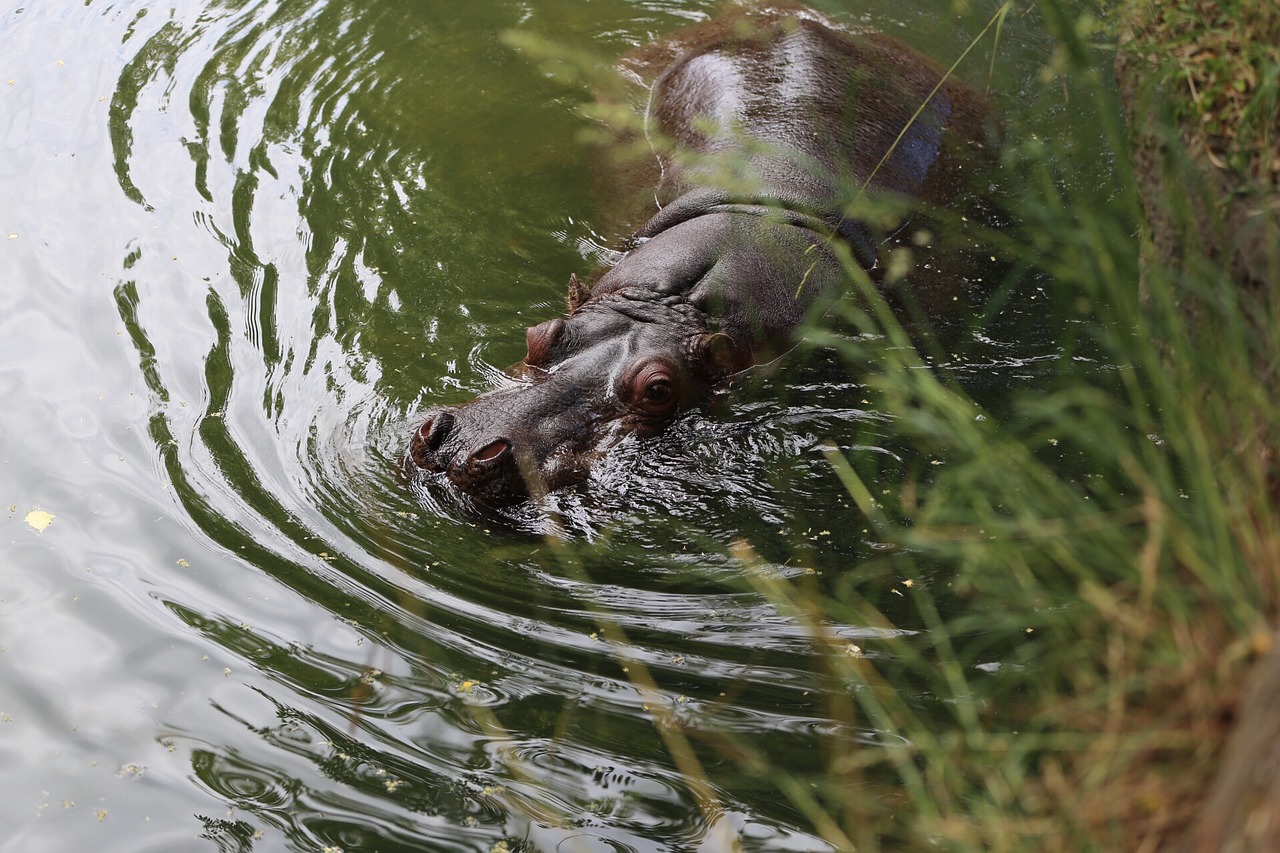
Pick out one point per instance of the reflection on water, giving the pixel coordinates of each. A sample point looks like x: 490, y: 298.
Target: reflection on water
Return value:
x: 333, y: 214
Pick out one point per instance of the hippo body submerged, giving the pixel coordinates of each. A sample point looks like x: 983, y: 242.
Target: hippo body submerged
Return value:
x: 764, y: 128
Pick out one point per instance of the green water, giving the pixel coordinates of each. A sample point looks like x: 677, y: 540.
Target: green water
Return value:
x: 243, y: 245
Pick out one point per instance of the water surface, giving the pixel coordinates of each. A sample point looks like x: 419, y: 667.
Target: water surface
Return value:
x: 246, y: 243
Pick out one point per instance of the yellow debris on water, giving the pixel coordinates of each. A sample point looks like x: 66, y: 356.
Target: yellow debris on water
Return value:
x: 38, y: 520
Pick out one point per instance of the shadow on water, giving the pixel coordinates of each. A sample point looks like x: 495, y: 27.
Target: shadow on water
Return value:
x: 393, y: 197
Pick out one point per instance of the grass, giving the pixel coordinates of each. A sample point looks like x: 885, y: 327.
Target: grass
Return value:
x: 1221, y: 71
x: 1125, y: 593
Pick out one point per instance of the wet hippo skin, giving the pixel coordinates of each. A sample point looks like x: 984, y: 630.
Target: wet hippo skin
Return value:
x: 763, y: 128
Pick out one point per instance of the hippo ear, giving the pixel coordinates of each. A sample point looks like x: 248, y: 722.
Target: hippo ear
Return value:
x: 540, y: 339
x: 578, y: 293
x: 720, y: 355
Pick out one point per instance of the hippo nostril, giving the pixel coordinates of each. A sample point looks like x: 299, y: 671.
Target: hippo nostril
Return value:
x: 492, y: 450
x: 434, y: 429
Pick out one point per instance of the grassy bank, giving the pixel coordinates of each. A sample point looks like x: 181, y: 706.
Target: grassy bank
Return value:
x: 1115, y: 540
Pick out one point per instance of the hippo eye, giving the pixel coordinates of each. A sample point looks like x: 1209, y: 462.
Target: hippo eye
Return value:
x: 658, y: 393
x: 652, y: 389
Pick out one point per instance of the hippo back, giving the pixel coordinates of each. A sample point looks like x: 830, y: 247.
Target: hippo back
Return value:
x: 785, y: 106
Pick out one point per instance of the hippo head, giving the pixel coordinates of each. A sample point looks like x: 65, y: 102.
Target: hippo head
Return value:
x: 702, y: 294
x: 629, y: 361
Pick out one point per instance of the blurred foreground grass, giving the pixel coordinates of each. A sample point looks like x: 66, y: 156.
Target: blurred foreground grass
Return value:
x: 1113, y: 605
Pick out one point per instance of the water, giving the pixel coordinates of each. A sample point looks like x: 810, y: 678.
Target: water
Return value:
x: 245, y: 244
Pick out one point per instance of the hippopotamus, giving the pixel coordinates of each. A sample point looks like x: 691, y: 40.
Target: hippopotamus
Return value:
x: 763, y: 131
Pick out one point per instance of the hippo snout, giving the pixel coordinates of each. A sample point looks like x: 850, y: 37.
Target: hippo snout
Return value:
x: 484, y: 467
